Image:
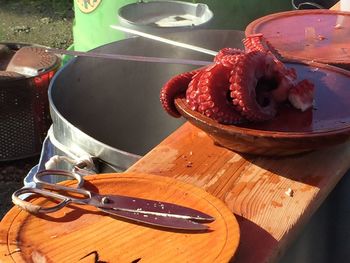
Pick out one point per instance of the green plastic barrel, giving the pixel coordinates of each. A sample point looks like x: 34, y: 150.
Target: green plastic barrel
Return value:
x: 93, y: 17
x: 92, y: 22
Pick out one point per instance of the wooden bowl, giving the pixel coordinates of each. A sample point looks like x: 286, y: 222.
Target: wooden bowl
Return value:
x: 318, y: 35
x: 291, y: 131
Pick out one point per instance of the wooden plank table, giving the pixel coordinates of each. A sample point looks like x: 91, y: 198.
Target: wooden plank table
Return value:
x: 254, y: 188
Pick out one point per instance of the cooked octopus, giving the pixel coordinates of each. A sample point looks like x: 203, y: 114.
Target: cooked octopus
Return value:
x: 240, y: 85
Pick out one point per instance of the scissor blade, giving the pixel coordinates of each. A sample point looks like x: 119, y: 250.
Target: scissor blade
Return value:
x: 159, y: 221
x: 155, y: 208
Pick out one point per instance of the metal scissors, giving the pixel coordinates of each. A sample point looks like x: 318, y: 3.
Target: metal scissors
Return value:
x: 150, y: 212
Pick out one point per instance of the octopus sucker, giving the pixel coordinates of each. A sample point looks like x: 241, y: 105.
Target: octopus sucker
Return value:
x: 226, y: 52
x: 193, y: 92
x: 240, y: 85
x: 213, y: 89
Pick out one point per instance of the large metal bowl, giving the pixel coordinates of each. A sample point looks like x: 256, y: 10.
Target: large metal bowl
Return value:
x: 110, y: 108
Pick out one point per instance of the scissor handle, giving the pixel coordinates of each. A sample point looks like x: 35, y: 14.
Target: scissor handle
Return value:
x: 43, y: 184
x: 42, y: 190
x: 65, y: 199
x: 35, y: 209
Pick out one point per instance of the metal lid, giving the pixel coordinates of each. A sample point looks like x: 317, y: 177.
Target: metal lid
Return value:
x: 32, y: 60
x: 158, y: 17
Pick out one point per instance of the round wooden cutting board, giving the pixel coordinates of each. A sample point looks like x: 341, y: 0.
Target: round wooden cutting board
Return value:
x: 83, y: 234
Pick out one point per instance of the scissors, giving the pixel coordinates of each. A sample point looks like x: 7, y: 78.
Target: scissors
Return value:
x: 149, y: 212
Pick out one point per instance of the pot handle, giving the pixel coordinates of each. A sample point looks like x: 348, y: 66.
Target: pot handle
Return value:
x: 82, y: 163
x: 82, y: 166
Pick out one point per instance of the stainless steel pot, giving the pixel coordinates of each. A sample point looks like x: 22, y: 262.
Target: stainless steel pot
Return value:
x: 110, y: 108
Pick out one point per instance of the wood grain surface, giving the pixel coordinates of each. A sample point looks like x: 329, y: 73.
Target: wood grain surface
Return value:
x: 273, y: 198
x: 81, y: 233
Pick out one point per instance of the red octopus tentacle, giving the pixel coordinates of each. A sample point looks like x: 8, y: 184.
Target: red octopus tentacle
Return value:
x: 193, y: 92
x: 174, y: 87
x: 246, y: 71
x: 257, y: 42
x: 284, y: 77
x: 211, y: 98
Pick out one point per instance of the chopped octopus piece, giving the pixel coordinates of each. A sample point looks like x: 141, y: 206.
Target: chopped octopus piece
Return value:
x: 302, y: 95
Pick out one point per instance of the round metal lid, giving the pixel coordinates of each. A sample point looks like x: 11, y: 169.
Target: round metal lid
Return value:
x: 32, y: 60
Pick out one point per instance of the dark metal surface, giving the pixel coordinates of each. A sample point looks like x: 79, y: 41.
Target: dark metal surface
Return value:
x: 158, y: 221
x: 152, y: 207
